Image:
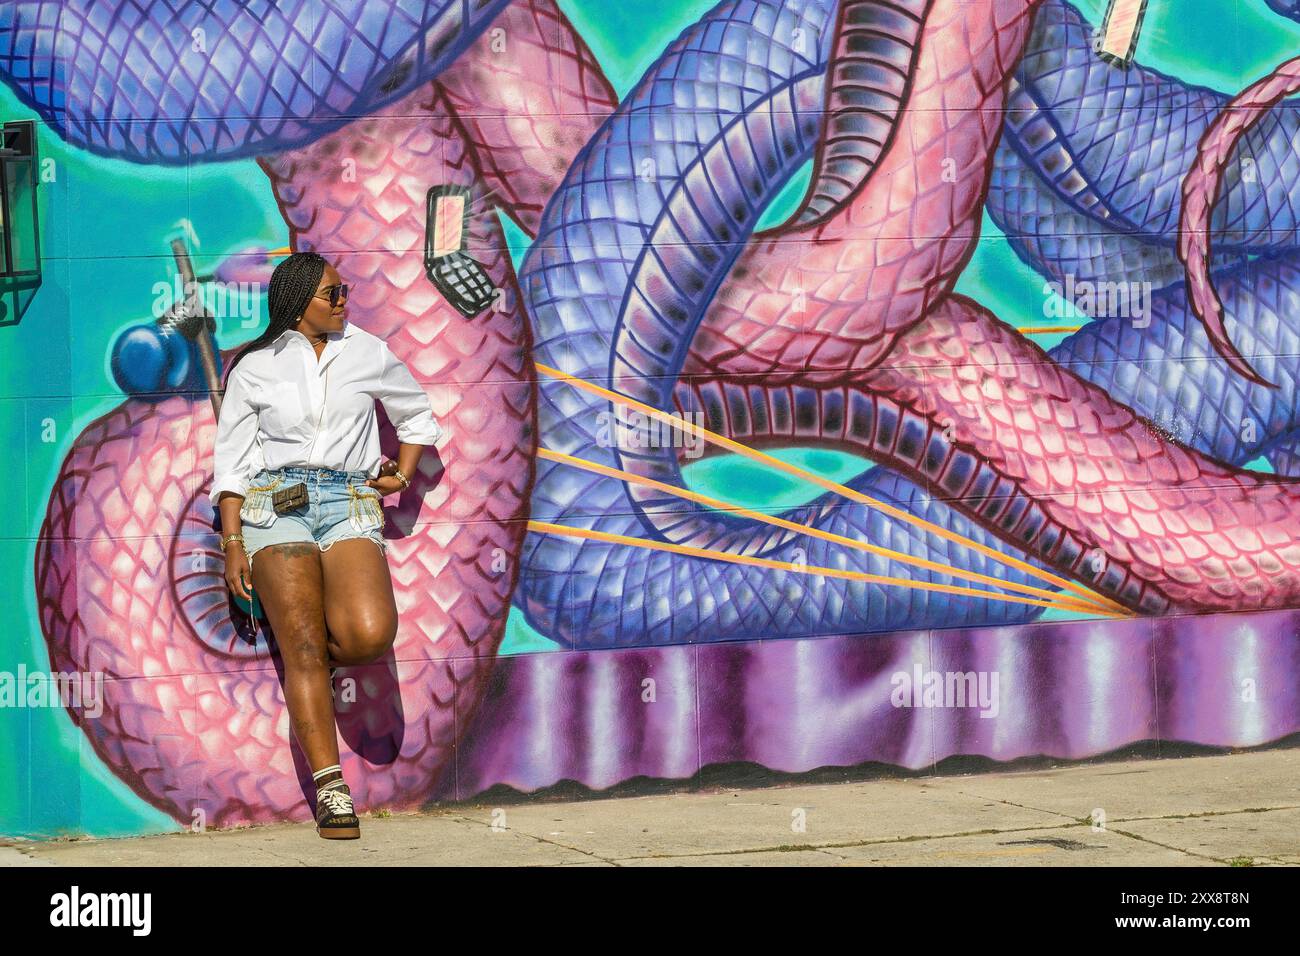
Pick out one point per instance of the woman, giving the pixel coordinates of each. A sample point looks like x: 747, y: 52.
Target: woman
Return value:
x: 299, y: 407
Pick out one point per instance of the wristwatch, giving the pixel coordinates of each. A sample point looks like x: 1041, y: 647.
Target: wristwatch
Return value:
x: 406, y: 482
x: 234, y: 537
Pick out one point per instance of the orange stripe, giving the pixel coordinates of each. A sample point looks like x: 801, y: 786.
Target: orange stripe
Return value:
x: 545, y: 528
x: 734, y: 446
x: 1058, y: 600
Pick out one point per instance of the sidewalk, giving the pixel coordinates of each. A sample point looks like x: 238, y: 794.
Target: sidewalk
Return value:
x: 1241, y: 809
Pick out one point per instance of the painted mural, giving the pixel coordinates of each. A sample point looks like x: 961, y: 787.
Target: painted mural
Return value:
x: 836, y: 356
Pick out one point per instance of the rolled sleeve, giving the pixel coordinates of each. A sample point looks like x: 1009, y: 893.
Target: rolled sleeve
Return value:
x: 233, y: 455
x: 406, y: 403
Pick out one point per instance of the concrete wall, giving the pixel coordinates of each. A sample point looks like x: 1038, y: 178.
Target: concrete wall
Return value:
x: 1047, y: 512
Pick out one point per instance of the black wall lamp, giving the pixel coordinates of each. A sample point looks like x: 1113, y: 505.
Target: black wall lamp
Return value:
x: 20, y: 242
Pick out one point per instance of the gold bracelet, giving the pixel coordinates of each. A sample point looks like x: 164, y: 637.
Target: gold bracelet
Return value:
x: 234, y: 537
x: 406, y: 482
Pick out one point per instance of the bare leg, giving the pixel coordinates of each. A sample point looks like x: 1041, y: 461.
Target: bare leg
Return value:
x: 289, y: 581
x: 360, y: 610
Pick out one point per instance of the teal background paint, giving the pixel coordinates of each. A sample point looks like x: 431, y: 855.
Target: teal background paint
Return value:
x: 104, y: 231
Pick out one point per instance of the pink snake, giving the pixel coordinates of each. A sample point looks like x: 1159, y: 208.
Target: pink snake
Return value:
x: 192, y: 728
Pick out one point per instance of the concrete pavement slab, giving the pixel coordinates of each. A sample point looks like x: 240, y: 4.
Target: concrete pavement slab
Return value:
x: 757, y: 819
x: 1184, y: 811
x: 1260, y: 837
x: 14, y: 856
x: 1145, y: 788
x: 1059, y: 846
x: 790, y: 857
x: 402, y: 839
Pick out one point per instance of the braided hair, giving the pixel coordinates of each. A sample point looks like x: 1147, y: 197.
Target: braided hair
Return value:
x: 293, y: 283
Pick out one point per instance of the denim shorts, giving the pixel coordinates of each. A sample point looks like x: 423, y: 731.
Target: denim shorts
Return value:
x: 340, y: 505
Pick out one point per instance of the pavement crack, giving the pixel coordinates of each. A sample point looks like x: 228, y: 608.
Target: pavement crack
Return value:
x: 541, y: 839
x: 1131, y: 819
x: 1018, y: 806
x: 1205, y: 813
x: 1166, y: 846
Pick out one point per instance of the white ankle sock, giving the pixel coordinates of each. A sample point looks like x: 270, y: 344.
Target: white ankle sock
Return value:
x: 320, y: 775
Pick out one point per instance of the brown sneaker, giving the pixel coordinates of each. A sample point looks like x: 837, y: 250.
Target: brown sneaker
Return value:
x: 336, y: 819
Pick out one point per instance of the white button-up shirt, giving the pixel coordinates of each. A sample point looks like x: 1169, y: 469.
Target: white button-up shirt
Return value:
x: 276, y: 395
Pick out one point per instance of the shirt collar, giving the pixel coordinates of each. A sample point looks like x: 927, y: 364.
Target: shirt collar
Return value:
x: 289, y: 335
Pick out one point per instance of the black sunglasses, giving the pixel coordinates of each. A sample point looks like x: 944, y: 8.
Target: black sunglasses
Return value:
x: 336, y: 292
